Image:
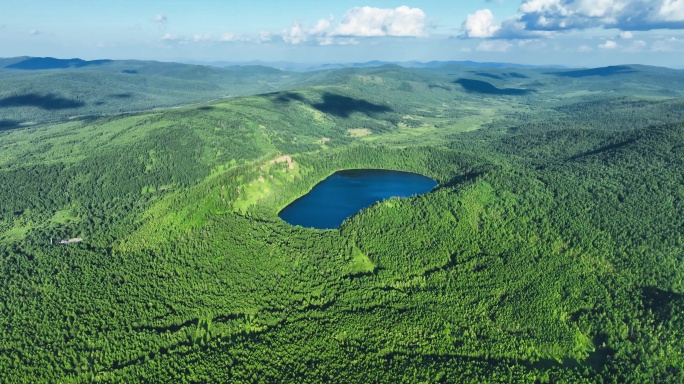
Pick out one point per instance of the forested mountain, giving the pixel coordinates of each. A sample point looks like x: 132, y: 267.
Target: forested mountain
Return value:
x: 550, y: 251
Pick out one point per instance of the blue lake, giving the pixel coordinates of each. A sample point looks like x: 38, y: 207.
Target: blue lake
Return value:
x: 346, y: 192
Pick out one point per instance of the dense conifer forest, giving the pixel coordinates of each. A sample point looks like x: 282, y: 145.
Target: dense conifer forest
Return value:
x: 550, y: 251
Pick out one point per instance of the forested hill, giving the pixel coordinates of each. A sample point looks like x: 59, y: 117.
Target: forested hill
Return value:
x: 38, y: 90
x: 551, y: 250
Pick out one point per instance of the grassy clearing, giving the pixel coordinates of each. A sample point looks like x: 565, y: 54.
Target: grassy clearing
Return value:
x: 14, y: 234
x: 426, y: 134
x: 431, y: 131
x: 359, y: 132
x: 252, y: 193
x: 63, y: 217
x: 273, y: 174
x: 317, y: 115
x: 360, y: 263
x: 580, y: 93
x: 21, y: 227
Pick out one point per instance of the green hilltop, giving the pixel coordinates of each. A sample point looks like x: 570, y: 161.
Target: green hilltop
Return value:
x: 551, y: 250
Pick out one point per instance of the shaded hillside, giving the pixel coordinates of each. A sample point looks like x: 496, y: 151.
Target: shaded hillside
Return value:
x: 483, y: 87
x: 47, y: 102
x: 604, y: 71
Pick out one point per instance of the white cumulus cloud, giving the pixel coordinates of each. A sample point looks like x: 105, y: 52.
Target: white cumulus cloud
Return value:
x: 378, y: 22
x: 296, y: 34
x: 635, y: 15
x: 230, y: 37
x: 609, y: 44
x: 672, y: 10
x: 481, y: 24
x: 323, y: 26
x: 359, y: 22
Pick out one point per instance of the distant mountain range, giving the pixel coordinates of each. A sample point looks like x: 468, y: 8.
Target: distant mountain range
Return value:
x: 35, y: 90
x: 46, y: 63
x: 38, y: 63
x: 304, y: 67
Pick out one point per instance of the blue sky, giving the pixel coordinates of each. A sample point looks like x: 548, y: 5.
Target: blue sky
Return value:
x: 569, y: 32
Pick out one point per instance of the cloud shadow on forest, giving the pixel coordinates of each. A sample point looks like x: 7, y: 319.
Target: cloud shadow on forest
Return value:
x: 49, y: 101
x: 6, y: 125
x: 663, y: 304
x: 343, y: 106
x: 503, y: 76
x: 603, y: 149
x: 126, y: 95
x: 286, y: 97
x: 483, y: 87
x: 333, y: 104
x: 603, y: 72
x: 490, y: 75
x: 458, y: 180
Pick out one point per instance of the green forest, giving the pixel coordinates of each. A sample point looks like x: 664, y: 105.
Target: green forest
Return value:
x: 551, y: 251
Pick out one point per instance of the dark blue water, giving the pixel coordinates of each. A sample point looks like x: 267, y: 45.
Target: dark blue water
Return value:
x: 346, y: 192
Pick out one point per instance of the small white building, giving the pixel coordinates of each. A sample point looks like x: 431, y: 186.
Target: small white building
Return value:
x: 71, y: 241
